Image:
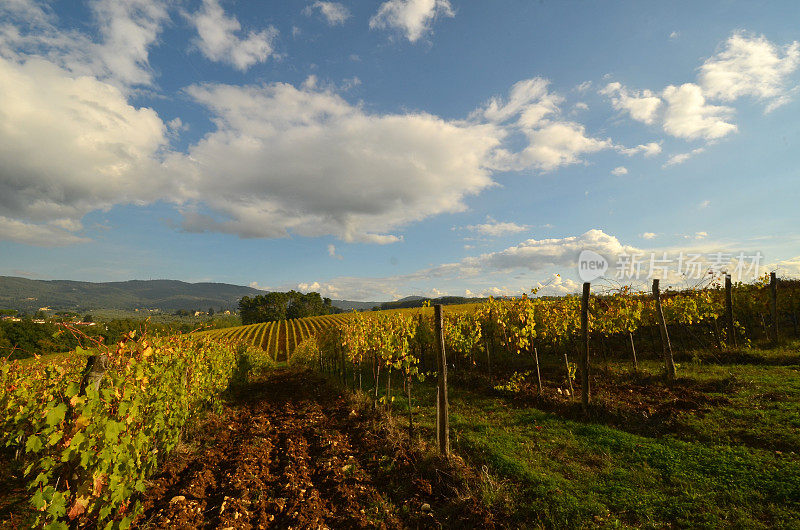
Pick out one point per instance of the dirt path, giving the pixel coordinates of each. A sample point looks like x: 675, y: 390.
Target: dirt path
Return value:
x: 291, y: 452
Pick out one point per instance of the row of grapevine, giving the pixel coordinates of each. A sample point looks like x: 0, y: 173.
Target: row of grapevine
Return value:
x: 90, y: 446
x: 378, y: 344
x: 278, y: 338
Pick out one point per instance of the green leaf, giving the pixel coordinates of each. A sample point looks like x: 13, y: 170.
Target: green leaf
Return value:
x: 113, y: 428
x: 38, y: 500
x: 33, y: 445
x: 56, y: 414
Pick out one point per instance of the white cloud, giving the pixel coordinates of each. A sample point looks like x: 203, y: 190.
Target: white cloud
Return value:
x: 689, y: 116
x: 533, y: 111
x: 649, y: 149
x: 557, y: 285
x: 217, y: 39
x: 71, y: 145
x: 495, y: 228
x: 674, y: 35
x: 705, y: 204
x: 46, y: 235
x: 680, y: 158
x: 583, y: 87
x: 788, y: 267
x: 642, y: 106
x: 539, y: 254
x: 413, y: 18
x: 127, y: 30
x: 332, y: 252
x: 700, y: 235
x: 745, y: 66
x: 750, y: 66
x: 649, y: 235
x: 619, y: 171
x: 255, y: 174
x: 531, y: 255
x: 333, y: 12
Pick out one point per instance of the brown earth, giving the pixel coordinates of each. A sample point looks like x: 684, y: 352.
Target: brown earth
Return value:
x: 293, y: 452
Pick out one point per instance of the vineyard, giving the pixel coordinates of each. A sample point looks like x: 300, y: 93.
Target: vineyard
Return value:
x: 692, y: 418
x: 277, y: 338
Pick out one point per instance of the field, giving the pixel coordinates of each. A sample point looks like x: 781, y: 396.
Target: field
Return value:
x: 280, y: 338
x: 341, y: 432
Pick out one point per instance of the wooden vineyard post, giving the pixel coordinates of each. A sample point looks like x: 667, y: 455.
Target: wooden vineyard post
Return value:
x: 729, y: 311
x: 93, y: 373
x: 585, y: 390
x: 538, y: 373
x: 773, y: 305
x: 442, y: 419
x: 569, y: 377
x: 633, y: 351
x: 666, y: 347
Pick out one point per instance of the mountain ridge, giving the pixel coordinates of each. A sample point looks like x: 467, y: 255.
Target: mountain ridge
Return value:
x: 166, y: 295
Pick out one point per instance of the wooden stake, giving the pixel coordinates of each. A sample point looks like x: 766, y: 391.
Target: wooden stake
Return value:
x: 585, y: 390
x: 633, y: 351
x: 729, y: 311
x: 773, y: 305
x: 538, y: 374
x: 569, y: 378
x: 443, y: 423
x: 666, y: 347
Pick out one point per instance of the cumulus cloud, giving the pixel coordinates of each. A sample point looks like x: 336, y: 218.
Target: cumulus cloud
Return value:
x: 680, y: 158
x: 414, y: 18
x: 495, y: 228
x: 255, y: 172
x: 71, y: 145
x: 537, y: 256
x: 218, y: 41
x: 649, y: 149
x: 750, y: 65
x: 127, y: 30
x: 533, y: 111
x: 746, y: 65
x: 649, y: 235
x: 619, y: 171
x: 46, y: 235
x: 332, y: 252
x: 689, y: 116
x: 642, y: 105
x: 334, y: 13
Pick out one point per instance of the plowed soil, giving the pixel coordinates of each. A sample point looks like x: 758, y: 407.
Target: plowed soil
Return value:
x: 290, y: 451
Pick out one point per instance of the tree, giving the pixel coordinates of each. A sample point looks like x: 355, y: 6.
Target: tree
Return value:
x: 88, y: 318
x: 211, y: 311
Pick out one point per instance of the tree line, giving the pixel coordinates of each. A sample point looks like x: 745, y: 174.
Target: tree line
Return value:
x: 281, y: 306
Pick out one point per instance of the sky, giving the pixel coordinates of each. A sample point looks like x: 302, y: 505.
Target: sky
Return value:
x: 375, y: 150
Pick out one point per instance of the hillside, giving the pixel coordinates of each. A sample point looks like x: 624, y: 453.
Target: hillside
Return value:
x: 167, y: 295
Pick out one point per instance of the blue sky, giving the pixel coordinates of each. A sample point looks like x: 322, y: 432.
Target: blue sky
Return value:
x: 373, y: 150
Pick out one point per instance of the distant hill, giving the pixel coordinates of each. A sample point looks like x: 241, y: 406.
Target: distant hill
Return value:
x: 166, y: 295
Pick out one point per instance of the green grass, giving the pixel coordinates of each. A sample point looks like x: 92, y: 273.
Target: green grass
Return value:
x: 730, y: 464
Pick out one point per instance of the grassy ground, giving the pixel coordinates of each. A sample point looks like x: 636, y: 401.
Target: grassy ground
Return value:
x: 718, y: 448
